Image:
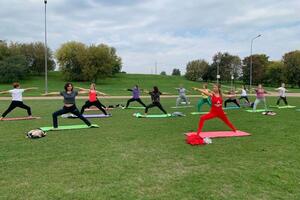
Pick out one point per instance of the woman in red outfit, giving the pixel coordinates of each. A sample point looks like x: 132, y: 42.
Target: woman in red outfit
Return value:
x: 216, y: 111
x: 93, y: 100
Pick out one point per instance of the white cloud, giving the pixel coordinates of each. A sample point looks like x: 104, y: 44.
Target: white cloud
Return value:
x: 167, y: 31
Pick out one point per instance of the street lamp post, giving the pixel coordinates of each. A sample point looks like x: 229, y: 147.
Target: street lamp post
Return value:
x: 46, y: 50
x: 250, y: 82
x: 218, y: 70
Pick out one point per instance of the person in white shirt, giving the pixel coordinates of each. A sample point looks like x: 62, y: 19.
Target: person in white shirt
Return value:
x: 282, y: 95
x: 17, y: 100
x: 244, y: 94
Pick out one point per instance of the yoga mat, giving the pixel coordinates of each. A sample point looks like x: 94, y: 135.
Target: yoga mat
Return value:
x: 19, y: 118
x: 182, y: 107
x: 96, y: 109
x: 134, y: 107
x: 220, y: 134
x: 139, y: 115
x: 257, y: 110
x: 68, y: 127
x: 198, y: 113
x: 89, y: 116
x: 282, y: 107
x: 231, y: 108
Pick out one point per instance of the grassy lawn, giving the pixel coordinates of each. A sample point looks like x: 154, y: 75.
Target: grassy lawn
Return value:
x: 116, y: 85
x: 130, y: 158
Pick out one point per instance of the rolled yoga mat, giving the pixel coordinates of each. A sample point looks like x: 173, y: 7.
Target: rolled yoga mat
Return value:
x: 134, y: 107
x: 198, y: 113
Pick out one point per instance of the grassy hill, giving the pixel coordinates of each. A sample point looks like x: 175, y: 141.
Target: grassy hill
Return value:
x: 115, y: 85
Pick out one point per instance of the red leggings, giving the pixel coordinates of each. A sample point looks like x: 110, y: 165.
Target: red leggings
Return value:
x: 220, y: 115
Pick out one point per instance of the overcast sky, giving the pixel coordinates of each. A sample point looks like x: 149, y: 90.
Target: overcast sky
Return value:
x: 168, y: 32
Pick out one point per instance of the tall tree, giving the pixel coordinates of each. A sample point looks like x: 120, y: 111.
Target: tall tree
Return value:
x: 291, y: 62
x: 72, y: 57
x: 195, y: 70
x: 275, y: 73
x: 176, y: 72
x: 228, y: 65
x: 259, y: 66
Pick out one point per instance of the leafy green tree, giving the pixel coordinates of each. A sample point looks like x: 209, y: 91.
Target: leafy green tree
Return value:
x: 4, y: 50
x: 259, y: 67
x: 13, y: 68
x: 228, y: 65
x: 163, y: 73
x: 196, y: 69
x: 176, y: 72
x: 72, y: 57
x: 100, y: 62
x: 291, y: 62
x: 275, y: 73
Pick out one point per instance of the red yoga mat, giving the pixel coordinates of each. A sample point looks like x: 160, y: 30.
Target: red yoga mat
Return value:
x: 218, y: 134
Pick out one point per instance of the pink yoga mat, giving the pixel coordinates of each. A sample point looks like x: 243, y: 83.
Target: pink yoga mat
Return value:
x: 216, y: 134
x: 19, y: 118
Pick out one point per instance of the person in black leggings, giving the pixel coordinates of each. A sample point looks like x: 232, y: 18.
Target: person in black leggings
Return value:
x: 69, y: 105
x: 231, y: 99
x: 155, y: 97
x: 93, y: 100
x: 135, y: 96
x: 17, y: 100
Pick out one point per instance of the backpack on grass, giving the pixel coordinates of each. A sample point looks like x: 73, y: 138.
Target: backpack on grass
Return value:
x: 34, y: 134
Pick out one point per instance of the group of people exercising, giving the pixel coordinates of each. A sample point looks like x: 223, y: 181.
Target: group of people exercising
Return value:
x: 214, y: 98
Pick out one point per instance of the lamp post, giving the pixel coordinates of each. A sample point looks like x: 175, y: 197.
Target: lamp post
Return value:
x: 218, y: 69
x: 250, y: 83
x: 46, y: 50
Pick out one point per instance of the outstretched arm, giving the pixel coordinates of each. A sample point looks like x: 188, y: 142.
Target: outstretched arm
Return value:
x: 101, y: 93
x: 51, y: 94
x: 81, y: 89
x: 32, y: 88
x: 207, y: 93
x: 4, y: 92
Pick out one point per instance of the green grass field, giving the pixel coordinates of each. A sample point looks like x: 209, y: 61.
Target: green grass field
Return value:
x: 129, y: 158
x: 116, y: 85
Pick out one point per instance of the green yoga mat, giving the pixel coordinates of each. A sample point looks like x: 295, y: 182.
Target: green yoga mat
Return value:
x: 282, y: 107
x: 134, y: 107
x: 231, y: 108
x: 198, y: 113
x: 68, y: 127
x: 139, y: 115
x: 258, y: 110
x: 182, y: 107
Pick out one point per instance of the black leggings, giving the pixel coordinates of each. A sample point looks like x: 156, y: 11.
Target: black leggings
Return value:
x: 133, y: 99
x: 97, y: 103
x: 155, y: 104
x: 231, y: 101
x: 65, y: 110
x: 15, y: 104
x: 244, y: 97
x: 282, y: 98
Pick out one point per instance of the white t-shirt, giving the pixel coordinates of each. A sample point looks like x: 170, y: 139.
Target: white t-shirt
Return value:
x: 244, y: 93
x: 282, y: 91
x: 16, y: 94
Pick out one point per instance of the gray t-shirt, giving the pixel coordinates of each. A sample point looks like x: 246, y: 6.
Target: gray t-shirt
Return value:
x: 69, y: 98
x: 181, y: 91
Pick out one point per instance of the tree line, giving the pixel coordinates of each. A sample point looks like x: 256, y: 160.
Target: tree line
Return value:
x: 77, y: 61
x: 264, y: 71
